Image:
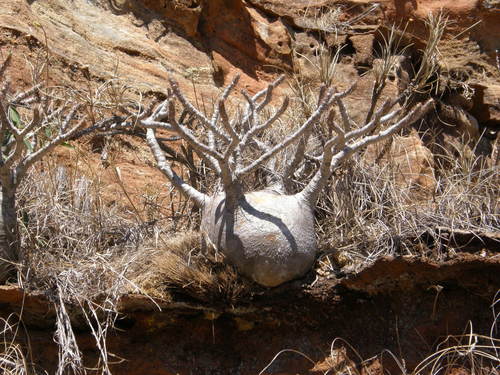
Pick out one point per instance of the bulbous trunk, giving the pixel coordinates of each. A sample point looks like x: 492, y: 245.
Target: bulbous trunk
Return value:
x: 268, y: 236
x: 9, y: 233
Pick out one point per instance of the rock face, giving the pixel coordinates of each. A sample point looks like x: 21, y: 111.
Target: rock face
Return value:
x: 202, y: 44
x: 83, y: 35
x: 411, y: 163
x: 263, y: 220
x: 490, y: 108
x: 243, y: 341
x: 208, y: 41
x: 181, y: 14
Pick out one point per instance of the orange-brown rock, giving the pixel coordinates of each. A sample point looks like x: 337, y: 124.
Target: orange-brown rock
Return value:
x: 184, y: 14
x: 84, y: 35
x: 458, y: 122
x: 274, y: 34
x: 241, y: 39
x: 399, y: 304
x: 363, y: 44
x: 411, y: 163
x: 491, y: 102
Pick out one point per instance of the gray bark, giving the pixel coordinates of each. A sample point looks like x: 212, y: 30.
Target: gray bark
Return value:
x: 9, y: 238
x: 268, y: 236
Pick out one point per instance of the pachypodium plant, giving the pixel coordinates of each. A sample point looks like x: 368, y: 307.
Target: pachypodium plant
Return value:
x: 32, y: 124
x: 268, y: 234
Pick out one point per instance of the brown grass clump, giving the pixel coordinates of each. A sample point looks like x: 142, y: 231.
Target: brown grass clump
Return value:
x: 79, y: 252
x: 179, y: 266
x: 461, y: 354
x: 65, y: 226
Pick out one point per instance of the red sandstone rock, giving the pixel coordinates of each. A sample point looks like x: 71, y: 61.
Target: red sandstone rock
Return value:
x: 410, y: 161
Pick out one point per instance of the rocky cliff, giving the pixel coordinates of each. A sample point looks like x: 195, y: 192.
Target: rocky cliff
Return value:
x: 406, y: 304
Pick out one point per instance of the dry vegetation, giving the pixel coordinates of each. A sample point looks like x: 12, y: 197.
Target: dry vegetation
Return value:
x: 85, y: 253
x: 368, y: 214
x: 13, y: 359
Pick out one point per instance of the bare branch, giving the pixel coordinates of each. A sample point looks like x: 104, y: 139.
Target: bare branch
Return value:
x: 69, y: 117
x: 297, y: 158
x: 329, y: 97
x: 19, y: 136
x: 188, y: 106
x: 191, y: 139
x: 346, y: 119
x: 235, y: 139
x: 268, y: 91
x: 299, y: 154
x: 25, y: 94
x: 189, y: 192
x: 256, y: 129
x: 52, y: 114
x: 37, y: 155
x: 273, y: 151
x: 416, y: 113
x: 331, y: 161
x: 5, y: 124
x: 377, y: 119
x: 223, y: 98
x: 319, y: 180
x: 225, y: 122
x: 155, y: 119
x: 5, y: 65
x: 110, y: 123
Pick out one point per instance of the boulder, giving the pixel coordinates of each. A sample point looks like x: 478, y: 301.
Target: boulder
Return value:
x: 411, y: 163
x: 363, y: 44
x: 458, y: 122
x: 491, y: 100
x: 273, y: 33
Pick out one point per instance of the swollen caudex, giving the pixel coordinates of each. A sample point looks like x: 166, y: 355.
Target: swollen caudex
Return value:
x: 269, y: 237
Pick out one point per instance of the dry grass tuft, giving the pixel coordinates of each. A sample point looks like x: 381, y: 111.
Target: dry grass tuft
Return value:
x: 66, y: 226
x: 79, y: 252
x: 180, y: 266
x: 13, y: 357
x: 470, y: 353
x: 367, y: 214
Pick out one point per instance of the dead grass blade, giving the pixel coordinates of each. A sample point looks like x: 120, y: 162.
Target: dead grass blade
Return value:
x: 13, y: 358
